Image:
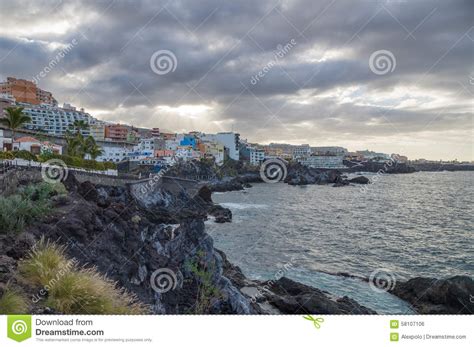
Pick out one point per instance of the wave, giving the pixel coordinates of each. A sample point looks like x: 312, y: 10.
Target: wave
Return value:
x: 241, y: 206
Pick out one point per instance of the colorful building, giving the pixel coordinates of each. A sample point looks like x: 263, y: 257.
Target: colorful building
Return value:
x: 26, y: 91
x: 116, y: 132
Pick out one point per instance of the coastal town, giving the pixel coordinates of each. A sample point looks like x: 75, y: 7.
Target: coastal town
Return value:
x: 47, y: 127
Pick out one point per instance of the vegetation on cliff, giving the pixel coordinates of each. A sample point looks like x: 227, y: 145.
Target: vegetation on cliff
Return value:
x: 27, y: 205
x: 73, y: 289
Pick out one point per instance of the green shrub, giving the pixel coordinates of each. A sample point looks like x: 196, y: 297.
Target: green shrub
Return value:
x: 78, y: 162
x: 29, y: 204
x: 12, y: 302
x: 207, y: 291
x: 7, y: 155
x: 75, y: 290
x: 25, y: 155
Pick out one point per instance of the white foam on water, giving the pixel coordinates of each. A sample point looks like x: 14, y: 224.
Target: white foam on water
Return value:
x: 241, y: 206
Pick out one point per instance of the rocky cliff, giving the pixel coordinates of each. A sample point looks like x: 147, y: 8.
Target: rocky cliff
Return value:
x: 156, y: 248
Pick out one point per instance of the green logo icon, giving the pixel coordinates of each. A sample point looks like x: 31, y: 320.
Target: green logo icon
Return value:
x: 394, y: 337
x: 316, y: 321
x: 19, y: 327
x: 394, y: 324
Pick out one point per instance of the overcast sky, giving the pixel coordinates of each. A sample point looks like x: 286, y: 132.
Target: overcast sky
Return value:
x: 391, y: 76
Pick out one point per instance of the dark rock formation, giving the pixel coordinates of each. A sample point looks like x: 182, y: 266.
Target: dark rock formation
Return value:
x: 360, y: 180
x: 438, y: 296
x: 129, y: 244
x: 234, y: 183
x: 296, y: 298
x: 298, y: 174
x: 285, y: 296
x: 389, y: 167
x: 221, y: 214
x: 443, y: 167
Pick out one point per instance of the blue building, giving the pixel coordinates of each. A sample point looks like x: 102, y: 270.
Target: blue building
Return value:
x: 188, y: 140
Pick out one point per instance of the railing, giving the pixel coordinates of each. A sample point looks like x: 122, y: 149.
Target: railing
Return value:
x: 10, y: 163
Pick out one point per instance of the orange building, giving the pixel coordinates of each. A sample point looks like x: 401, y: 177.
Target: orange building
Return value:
x: 164, y: 153
x: 26, y: 91
x: 201, y: 147
x: 116, y: 132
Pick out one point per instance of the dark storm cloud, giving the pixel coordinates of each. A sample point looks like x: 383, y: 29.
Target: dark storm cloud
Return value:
x: 220, y: 46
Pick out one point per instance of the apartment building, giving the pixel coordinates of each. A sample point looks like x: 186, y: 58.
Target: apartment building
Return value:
x: 329, y: 150
x: 230, y: 140
x: 27, y: 92
x: 257, y: 156
x: 215, y: 150
x: 302, y: 151
x: 97, y: 131
x: 113, y: 153
x: 116, y: 132
x: 54, y: 120
x: 324, y: 161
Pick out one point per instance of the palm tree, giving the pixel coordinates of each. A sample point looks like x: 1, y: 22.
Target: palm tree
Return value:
x: 14, y: 119
x: 90, y: 147
x: 74, y: 145
x: 79, y: 125
x: 95, y: 151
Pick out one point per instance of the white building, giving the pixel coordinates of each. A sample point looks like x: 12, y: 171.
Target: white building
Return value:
x: 257, y: 156
x: 302, y: 151
x: 54, y: 120
x: 187, y: 153
x: 140, y: 155
x: 113, y: 153
x: 216, y: 150
x: 375, y: 156
x: 329, y: 150
x: 229, y: 140
x: 34, y: 146
x: 171, y: 145
x: 145, y: 145
x: 5, y: 142
x: 324, y: 162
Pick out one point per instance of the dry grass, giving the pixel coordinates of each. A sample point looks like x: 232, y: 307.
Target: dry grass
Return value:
x: 12, y: 302
x: 75, y: 290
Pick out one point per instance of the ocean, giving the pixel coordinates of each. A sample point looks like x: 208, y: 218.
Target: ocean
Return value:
x: 399, y: 227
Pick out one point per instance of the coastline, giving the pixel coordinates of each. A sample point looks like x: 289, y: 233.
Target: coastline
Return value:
x: 130, y: 235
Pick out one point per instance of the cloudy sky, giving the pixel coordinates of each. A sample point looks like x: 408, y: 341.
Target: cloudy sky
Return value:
x: 392, y: 76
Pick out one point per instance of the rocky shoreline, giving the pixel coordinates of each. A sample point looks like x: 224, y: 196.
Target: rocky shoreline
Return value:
x: 129, y: 238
